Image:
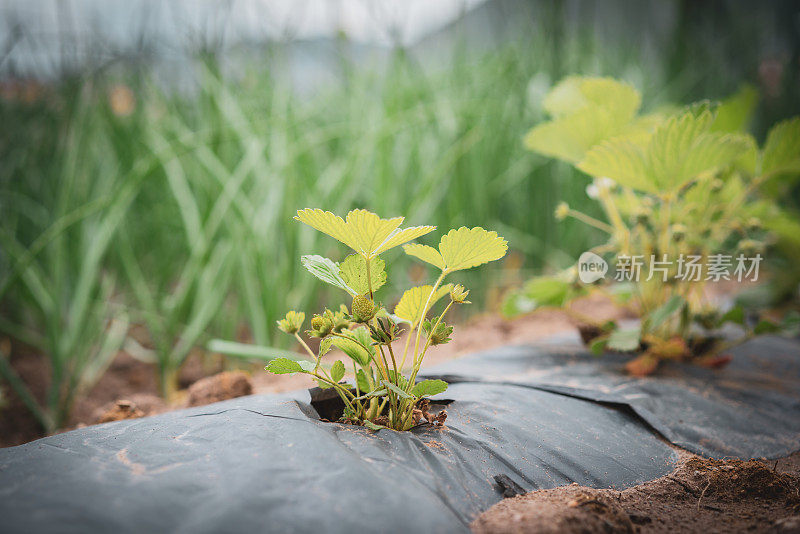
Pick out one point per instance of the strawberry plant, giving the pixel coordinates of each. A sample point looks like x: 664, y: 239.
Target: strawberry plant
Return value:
x: 682, y: 191
x: 382, y: 394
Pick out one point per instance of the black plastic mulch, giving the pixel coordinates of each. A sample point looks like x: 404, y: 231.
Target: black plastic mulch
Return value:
x: 537, y: 417
x: 748, y: 409
x: 266, y: 463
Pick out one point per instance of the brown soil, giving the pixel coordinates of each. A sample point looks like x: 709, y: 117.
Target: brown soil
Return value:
x: 701, y: 495
x: 17, y: 425
x: 125, y: 378
x: 122, y: 409
x: 138, y: 405
x: 222, y: 386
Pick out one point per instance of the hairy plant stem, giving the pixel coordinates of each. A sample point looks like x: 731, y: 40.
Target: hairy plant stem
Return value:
x: 666, y: 215
x: 308, y: 350
x: 369, y: 278
x: 405, y: 349
x: 611, y: 209
x: 428, y: 341
x: 394, y: 363
x: 418, y: 363
x: 355, y: 380
x: 614, y: 216
x: 662, y: 291
x: 412, y: 379
x: 591, y: 221
x: 422, y: 317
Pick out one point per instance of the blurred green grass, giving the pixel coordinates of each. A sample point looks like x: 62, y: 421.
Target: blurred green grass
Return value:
x: 126, y: 203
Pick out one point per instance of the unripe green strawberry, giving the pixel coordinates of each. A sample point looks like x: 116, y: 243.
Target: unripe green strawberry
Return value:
x: 363, y: 309
x: 321, y: 326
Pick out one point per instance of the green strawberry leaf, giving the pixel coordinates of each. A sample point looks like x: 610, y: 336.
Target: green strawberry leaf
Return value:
x: 398, y: 379
x: 426, y: 388
x: 680, y: 148
x: 282, y: 366
x: 354, y: 346
x: 326, y: 270
x: 372, y: 426
x: 337, y: 371
x: 625, y: 340
x: 665, y: 311
x: 735, y: 113
x: 364, y: 231
x: 373, y: 394
x: 353, y: 271
x: 469, y: 247
x: 409, y: 309
x: 361, y: 380
x: 585, y: 112
x: 396, y: 390
x: 734, y: 315
x: 598, y: 345
x: 325, y: 346
x: 426, y: 254
x: 782, y: 148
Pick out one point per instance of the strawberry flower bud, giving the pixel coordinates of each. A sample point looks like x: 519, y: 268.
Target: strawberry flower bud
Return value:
x: 292, y: 322
x: 458, y: 294
x: 562, y: 210
x: 440, y: 335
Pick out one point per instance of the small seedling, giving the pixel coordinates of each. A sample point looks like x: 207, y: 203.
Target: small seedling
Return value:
x: 381, y: 394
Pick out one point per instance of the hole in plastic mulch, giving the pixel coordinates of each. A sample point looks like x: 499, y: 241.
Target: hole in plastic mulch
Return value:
x: 330, y: 407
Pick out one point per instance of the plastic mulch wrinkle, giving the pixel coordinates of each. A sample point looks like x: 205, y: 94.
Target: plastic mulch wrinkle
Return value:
x: 748, y: 409
x: 268, y: 463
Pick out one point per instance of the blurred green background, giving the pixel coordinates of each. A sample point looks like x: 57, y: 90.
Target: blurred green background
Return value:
x: 140, y: 185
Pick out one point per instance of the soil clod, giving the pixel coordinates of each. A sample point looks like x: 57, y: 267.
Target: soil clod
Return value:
x: 222, y: 386
x: 137, y: 405
x: 123, y: 409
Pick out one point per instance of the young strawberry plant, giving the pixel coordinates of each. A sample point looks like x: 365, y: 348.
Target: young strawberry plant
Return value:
x: 382, y: 394
x: 682, y: 195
